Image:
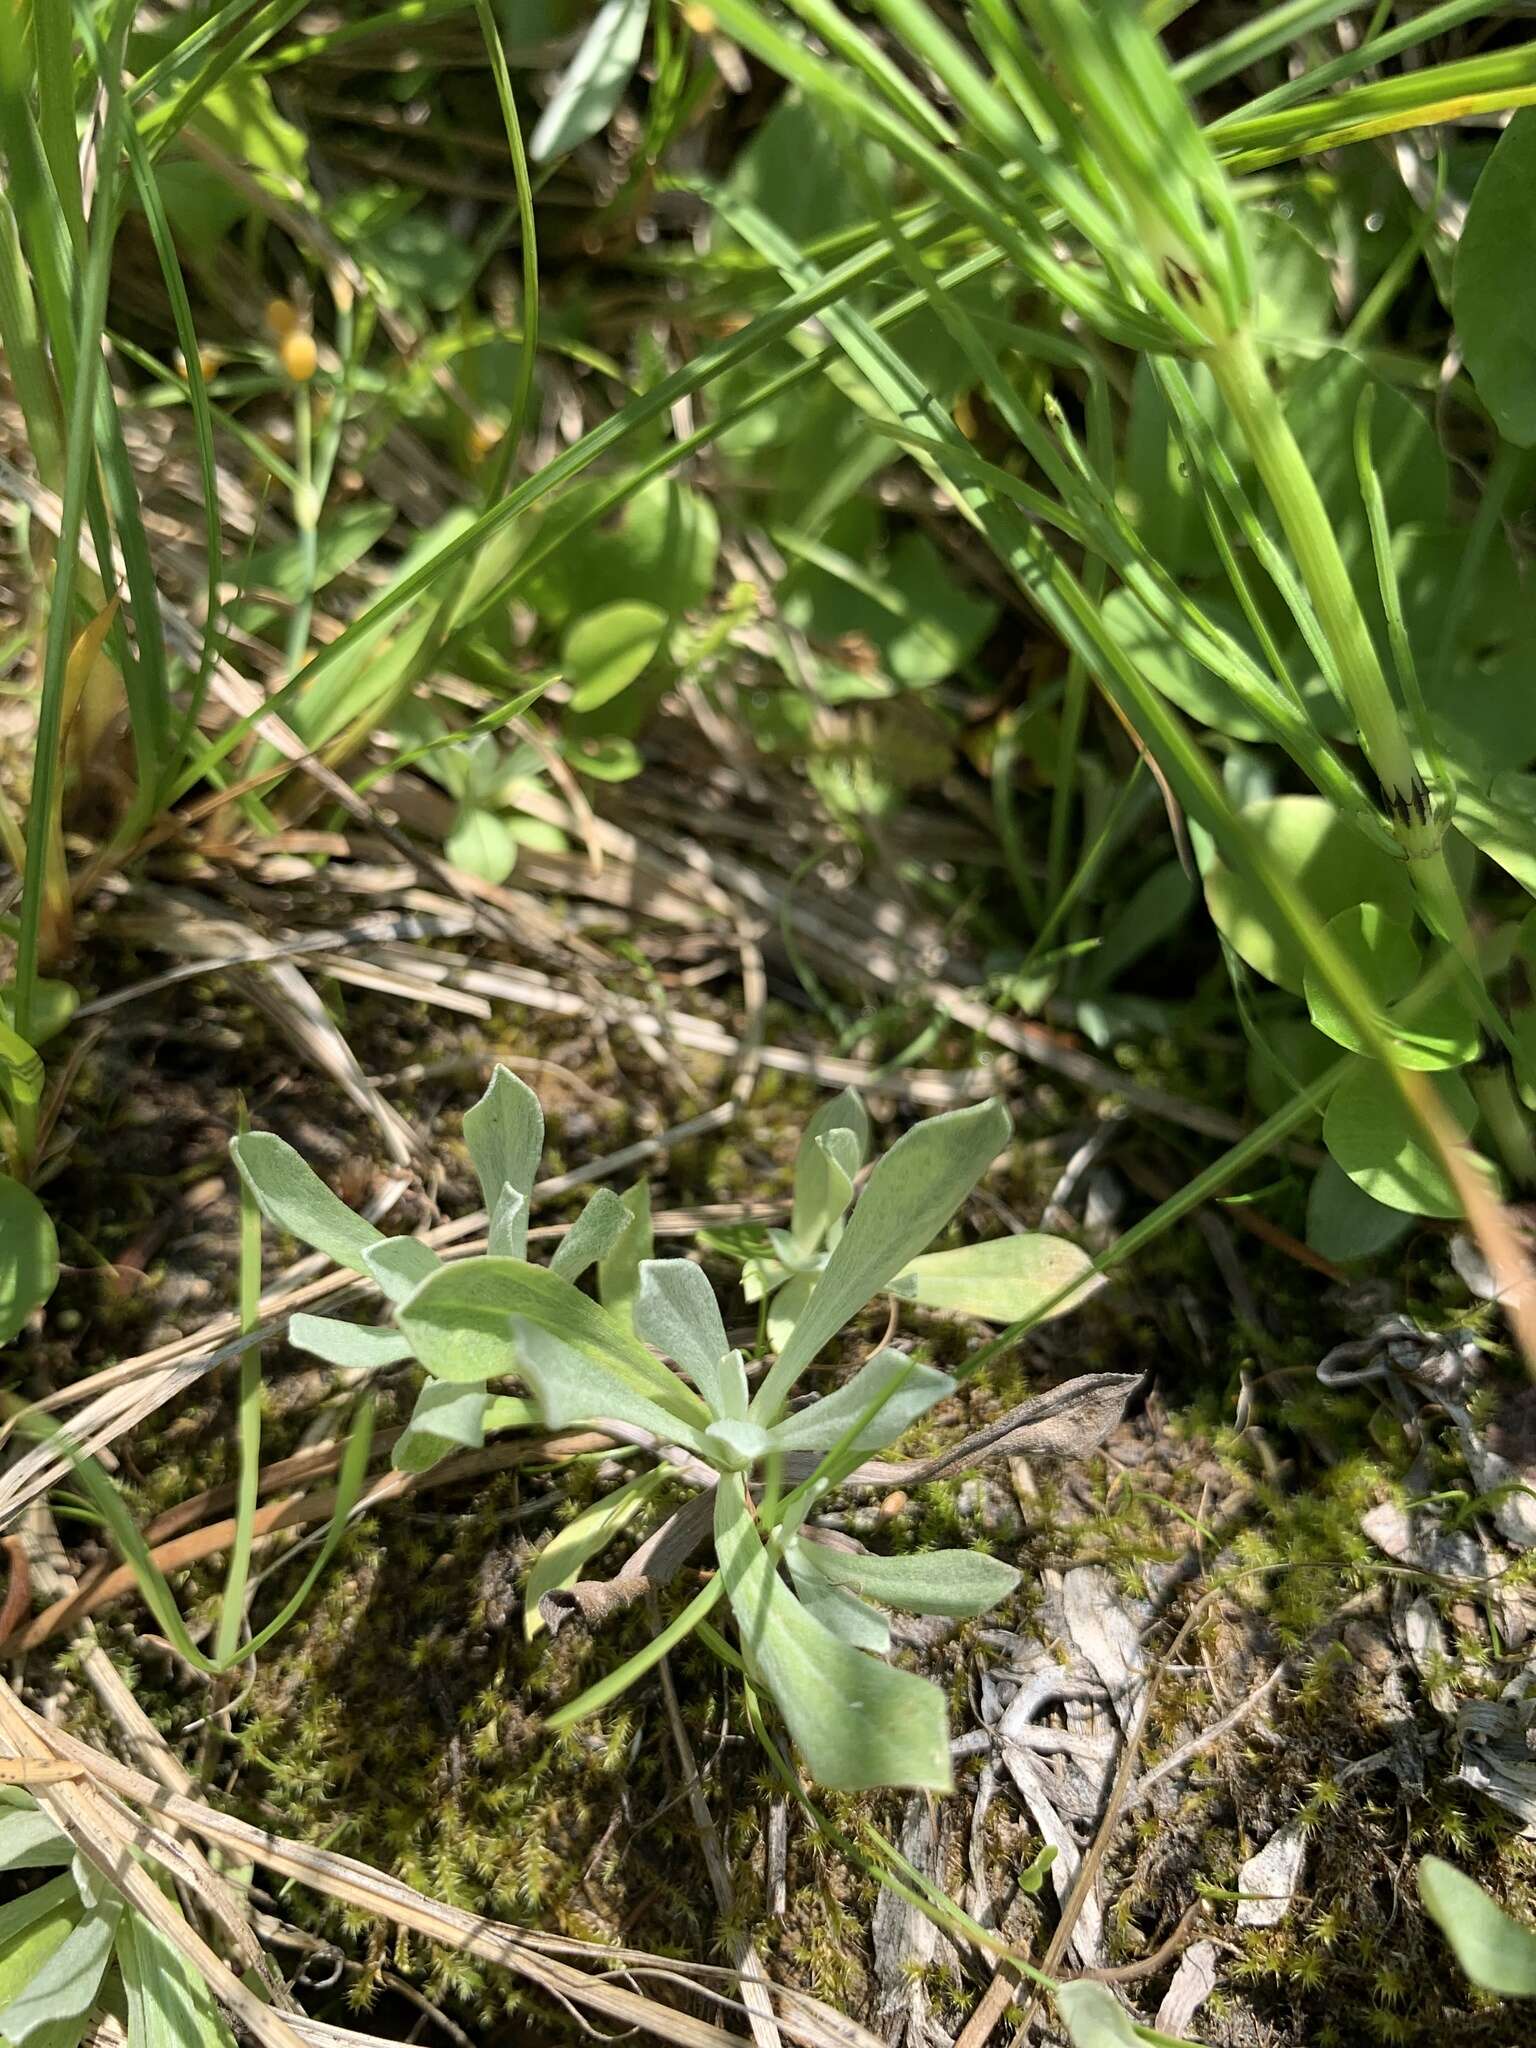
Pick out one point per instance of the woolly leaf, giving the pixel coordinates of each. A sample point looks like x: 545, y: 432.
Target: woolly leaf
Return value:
x: 505, y: 1135
x: 293, y: 1197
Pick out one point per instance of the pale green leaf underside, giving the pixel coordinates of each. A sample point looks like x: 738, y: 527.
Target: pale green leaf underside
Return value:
x: 903, y: 1391
x: 446, y: 1418
x: 676, y: 1313
x: 505, y: 1135
x: 961, y: 1582
x: 592, y: 1236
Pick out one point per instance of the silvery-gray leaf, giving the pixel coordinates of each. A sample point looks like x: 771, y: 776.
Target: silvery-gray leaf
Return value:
x: 594, y: 1233
x: 841, y: 1611
x: 831, y: 1152
x: 446, y: 1418
x: 890, y: 1383
x: 959, y: 1582
x: 507, y: 1225
x: 357, y: 1346
x: 505, y: 1135
x: 398, y: 1265
x: 912, y: 1193
x: 292, y: 1196
x: 676, y: 1313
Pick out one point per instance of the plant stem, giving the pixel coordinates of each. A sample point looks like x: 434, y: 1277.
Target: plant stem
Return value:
x: 1251, y: 398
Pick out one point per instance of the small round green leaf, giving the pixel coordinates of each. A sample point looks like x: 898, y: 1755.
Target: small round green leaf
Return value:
x: 1494, y: 283
x: 1344, y: 1222
x: 482, y: 844
x: 1368, y: 1129
x: 606, y: 649
x: 1427, y: 1030
x: 29, y: 1256
x: 1331, y: 867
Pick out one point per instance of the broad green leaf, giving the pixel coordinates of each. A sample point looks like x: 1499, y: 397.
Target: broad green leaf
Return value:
x: 1344, y: 1222
x: 592, y: 84
x: 1093, y: 2016
x: 32, y: 1927
x: 1494, y: 288
x: 1329, y: 864
x: 357, y: 1346
x: 294, y: 1198
x: 661, y: 550
x: 912, y: 1193
x: 855, y: 1721
x: 676, y: 1313
x: 446, y: 1418
x: 1497, y: 1953
x: 53, y: 1004
x: 398, y: 1265
x: 1438, y: 1031
x: 168, y: 2006
x: 29, y: 1256
x: 823, y: 1181
x: 606, y: 649
x: 482, y: 844
x: 572, y: 1387
x: 65, y: 1987
x: 561, y: 1561
x: 594, y: 1233
x: 1497, y: 820
x: 1184, y: 681
x: 1004, y: 1279
x: 839, y: 1610
x: 618, y: 1271
x: 459, y: 1322
x: 505, y: 1135
x: 1369, y: 1131
x: 903, y: 1391
x: 29, y: 1840
x: 960, y: 1582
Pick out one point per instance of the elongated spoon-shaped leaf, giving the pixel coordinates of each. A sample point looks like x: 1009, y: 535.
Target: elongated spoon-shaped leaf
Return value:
x: 899, y: 1391
x: 1496, y: 1952
x: 505, y: 1135
x: 907, y: 1201
x: 927, y: 1582
x: 460, y: 1325
x: 676, y: 1313
x: 593, y: 82
x: 856, y: 1722
x: 1004, y: 1279
x: 356, y: 1346
x: 446, y: 1418
x: 292, y: 1196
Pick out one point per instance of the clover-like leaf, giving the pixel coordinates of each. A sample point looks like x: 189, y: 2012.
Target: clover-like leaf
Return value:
x: 1368, y: 1129
x: 891, y: 1384
x: 912, y: 1193
x: 292, y: 1196
x: 505, y: 1135
x: 856, y: 1722
x: 1433, y: 1030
